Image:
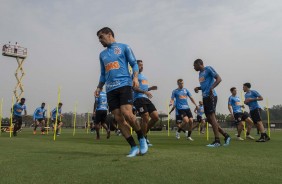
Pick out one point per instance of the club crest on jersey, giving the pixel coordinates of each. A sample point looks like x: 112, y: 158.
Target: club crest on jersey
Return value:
x: 117, y: 51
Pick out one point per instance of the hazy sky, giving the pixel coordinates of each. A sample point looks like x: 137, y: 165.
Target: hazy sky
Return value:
x: 242, y: 40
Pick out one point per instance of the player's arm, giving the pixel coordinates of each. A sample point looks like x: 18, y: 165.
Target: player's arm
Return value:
x: 138, y: 90
x: 172, y: 109
x: 152, y: 88
x: 197, y: 89
x: 94, y: 109
x: 102, y: 79
x: 231, y: 110
x: 217, y: 81
x: 195, y: 110
x: 193, y: 101
x: 25, y: 112
x: 133, y: 63
x: 34, y: 114
x: 257, y: 97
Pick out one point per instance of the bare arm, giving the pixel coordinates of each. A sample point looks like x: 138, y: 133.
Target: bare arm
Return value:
x: 217, y: 81
x: 172, y: 109
x: 152, y: 88
x: 193, y: 101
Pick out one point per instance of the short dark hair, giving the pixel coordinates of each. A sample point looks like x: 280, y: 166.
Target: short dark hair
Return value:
x: 248, y: 85
x: 232, y: 89
x: 139, y: 61
x: 43, y: 103
x: 179, y: 80
x: 199, y: 61
x: 60, y: 103
x: 22, y: 99
x: 106, y: 30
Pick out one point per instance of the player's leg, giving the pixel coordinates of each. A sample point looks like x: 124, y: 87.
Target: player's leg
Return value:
x: 42, y: 122
x: 240, y: 127
x: 256, y: 117
x: 36, y: 123
x: 249, y: 123
x: 97, y: 128
x: 59, y: 126
x: 203, y: 125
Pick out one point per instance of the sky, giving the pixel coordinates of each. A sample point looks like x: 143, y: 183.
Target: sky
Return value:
x: 240, y: 39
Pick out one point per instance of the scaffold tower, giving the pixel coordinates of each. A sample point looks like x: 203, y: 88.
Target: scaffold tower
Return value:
x: 20, y: 53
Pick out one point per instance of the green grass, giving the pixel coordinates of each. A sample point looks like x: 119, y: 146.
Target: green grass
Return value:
x: 38, y: 159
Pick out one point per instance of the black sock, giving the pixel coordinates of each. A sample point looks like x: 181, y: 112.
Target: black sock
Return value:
x: 35, y: 127
x: 179, y: 130
x: 216, y: 139
x: 139, y: 134
x: 183, y: 130
x: 226, y: 135
x: 189, y: 133
x: 98, y: 133
x: 131, y: 141
x: 248, y: 133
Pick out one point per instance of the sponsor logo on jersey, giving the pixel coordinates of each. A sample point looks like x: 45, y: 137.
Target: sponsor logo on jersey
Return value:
x: 145, y: 82
x: 182, y: 96
x: 112, y: 66
x: 202, y: 79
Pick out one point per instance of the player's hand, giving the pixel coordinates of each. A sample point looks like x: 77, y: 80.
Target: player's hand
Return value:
x: 232, y: 116
x: 135, y: 83
x: 154, y: 88
x: 211, y: 92
x: 97, y: 92
x: 196, y: 89
x: 149, y: 95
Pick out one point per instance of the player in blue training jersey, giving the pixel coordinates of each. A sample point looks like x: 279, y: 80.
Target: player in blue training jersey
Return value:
x: 251, y: 99
x: 209, y: 79
x: 143, y: 104
x: 100, y: 112
x: 201, y: 120
x: 39, y: 118
x: 178, y: 121
x: 180, y: 95
x: 235, y: 109
x: 114, y: 61
x: 59, y: 115
x: 18, y: 108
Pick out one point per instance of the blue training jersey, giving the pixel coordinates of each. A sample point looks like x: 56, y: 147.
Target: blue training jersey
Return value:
x: 200, y: 111
x: 180, y: 96
x: 254, y: 104
x: 114, y: 66
x: 101, y: 101
x: 235, y: 102
x: 206, y: 79
x: 18, y: 109
x: 143, y: 85
x: 54, y: 111
x: 39, y: 113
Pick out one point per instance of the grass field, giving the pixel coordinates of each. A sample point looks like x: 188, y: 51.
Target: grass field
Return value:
x: 38, y: 159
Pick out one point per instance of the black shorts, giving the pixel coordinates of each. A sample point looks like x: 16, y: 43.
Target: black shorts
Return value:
x: 185, y: 112
x: 199, y: 118
x: 101, y: 116
x: 120, y: 96
x: 210, y: 104
x: 255, y: 115
x: 58, y: 121
x: 241, y: 117
x: 17, y: 119
x: 144, y: 105
x: 39, y: 119
x: 178, y: 119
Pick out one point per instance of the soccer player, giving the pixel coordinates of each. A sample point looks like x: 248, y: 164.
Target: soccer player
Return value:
x: 143, y: 104
x: 59, y: 117
x: 209, y: 79
x: 18, y: 108
x: 178, y: 121
x: 114, y: 61
x: 235, y: 109
x: 100, y: 112
x: 180, y: 95
x: 200, y: 112
x: 39, y: 118
x: 251, y: 99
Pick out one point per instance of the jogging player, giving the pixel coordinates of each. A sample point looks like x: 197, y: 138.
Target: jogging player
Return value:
x: 209, y: 79
x: 100, y: 112
x: 235, y: 108
x: 18, y: 108
x: 180, y: 95
x: 39, y: 118
x: 201, y: 120
x: 114, y: 61
x: 143, y: 104
x: 251, y: 99
x: 178, y: 121
x: 59, y: 115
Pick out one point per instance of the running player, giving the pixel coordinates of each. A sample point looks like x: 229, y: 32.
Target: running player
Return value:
x: 18, y: 108
x: 251, y: 99
x: 100, y: 112
x: 235, y: 109
x: 180, y: 95
x: 178, y: 120
x: 59, y: 118
x: 209, y: 79
x: 200, y: 119
x: 143, y: 104
x: 39, y: 118
x: 115, y: 74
